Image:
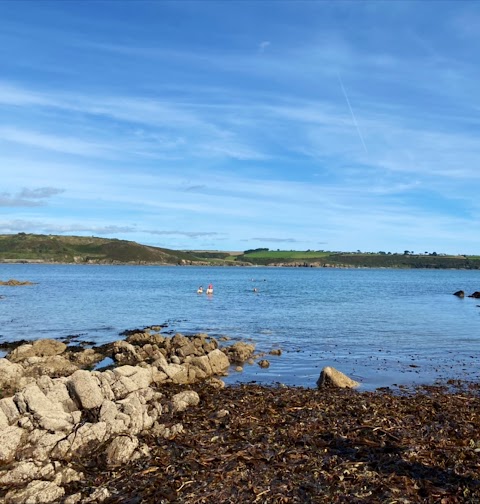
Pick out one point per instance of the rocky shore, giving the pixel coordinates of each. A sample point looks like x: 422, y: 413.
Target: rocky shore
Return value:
x: 157, y: 425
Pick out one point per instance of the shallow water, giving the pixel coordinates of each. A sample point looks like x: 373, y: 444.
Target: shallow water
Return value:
x: 380, y: 326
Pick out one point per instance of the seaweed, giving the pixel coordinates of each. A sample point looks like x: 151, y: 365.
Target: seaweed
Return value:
x: 283, y: 445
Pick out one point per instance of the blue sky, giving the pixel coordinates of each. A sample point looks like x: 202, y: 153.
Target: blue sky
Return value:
x: 234, y: 125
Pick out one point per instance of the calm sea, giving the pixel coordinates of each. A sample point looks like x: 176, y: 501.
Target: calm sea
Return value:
x: 380, y: 326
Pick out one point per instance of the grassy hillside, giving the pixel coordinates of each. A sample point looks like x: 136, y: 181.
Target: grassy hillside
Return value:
x: 366, y: 260
x: 79, y: 249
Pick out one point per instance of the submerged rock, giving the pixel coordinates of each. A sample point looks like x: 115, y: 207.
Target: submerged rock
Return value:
x: 15, y: 283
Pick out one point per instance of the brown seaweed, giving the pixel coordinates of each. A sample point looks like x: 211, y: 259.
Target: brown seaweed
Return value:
x: 293, y: 445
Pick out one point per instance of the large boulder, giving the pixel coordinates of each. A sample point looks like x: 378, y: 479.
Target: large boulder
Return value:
x: 331, y: 377
x: 85, y: 389
x: 45, y: 413
x: 218, y: 361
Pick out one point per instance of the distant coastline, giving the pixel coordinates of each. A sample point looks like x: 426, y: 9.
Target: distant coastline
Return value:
x: 23, y: 248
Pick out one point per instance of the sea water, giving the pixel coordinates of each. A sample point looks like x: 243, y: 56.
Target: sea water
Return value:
x: 383, y: 327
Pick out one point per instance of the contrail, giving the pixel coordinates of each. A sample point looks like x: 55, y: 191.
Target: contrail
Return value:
x: 351, y: 112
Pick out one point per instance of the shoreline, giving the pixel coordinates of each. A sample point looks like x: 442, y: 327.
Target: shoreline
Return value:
x: 226, y: 264
x: 161, y: 426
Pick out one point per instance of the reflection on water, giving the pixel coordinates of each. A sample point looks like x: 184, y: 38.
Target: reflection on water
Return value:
x: 380, y: 326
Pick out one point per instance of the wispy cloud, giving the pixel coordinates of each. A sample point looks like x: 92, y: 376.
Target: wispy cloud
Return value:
x: 29, y: 197
x: 37, y: 226
x: 188, y: 234
x: 262, y: 47
x: 274, y: 240
x: 55, y: 142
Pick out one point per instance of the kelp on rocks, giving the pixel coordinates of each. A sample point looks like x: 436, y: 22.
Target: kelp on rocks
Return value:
x: 293, y: 445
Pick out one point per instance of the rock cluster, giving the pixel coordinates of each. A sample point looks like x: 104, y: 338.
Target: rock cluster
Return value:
x: 179, y: 359
x: 58, y: 412
x: 461, y: 294
x: 14, y: 283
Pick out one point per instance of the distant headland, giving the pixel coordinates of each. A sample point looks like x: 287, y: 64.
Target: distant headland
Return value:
x: 38, y: 248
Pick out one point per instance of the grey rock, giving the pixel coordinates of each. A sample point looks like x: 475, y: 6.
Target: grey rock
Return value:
x: 10, y: 375
x: 80, y: 442
x: 99, y: 495
x: 47, y: 414
x: 202, y: 363
x: 276, y: 351
x: 3, y: 420
x: 10, y: 440
x: 26, y: 471
x: 54, y: 365
x: 331, y: 377
x: 125, y: 353
x: 175, y: 359
x: 36, y: 492
x: 239, y: 352
x: 163, y: 431
x: 40, y: 348
x: 86, y: 358
x: 182, y: 400
x: 66, y: 475
x: 39, y: 445
x: 73, y: 499
x: 121, y: 450
x: 85, y: 389
x: 142, y: 377
x: 219, y: 361
x: 57, y: 392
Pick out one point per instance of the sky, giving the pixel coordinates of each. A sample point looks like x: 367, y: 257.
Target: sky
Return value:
x: 232, y: 125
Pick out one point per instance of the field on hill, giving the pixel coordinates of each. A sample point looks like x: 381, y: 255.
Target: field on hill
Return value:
x: 267, y: 257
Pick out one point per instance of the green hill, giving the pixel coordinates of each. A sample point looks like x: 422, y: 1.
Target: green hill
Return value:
x: 79, y: 249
